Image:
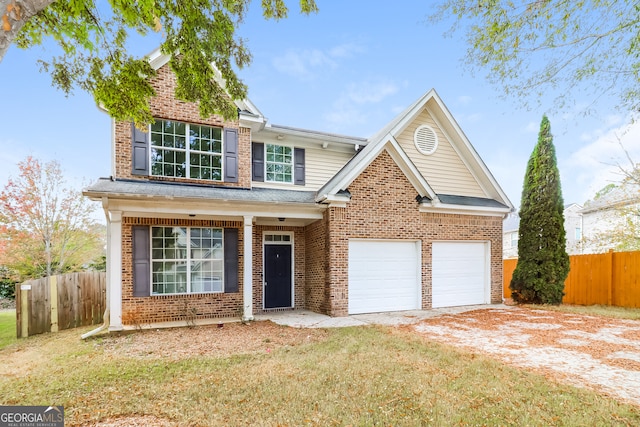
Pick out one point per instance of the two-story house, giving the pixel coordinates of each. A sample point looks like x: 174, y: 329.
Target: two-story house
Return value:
x: 214, y: 218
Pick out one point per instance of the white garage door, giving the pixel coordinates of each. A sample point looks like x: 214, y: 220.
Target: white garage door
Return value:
x: 460, y: 274
x: 384, y: 275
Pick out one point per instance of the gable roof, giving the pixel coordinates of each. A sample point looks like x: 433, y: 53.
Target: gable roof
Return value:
x: 247, y: 110
x: 385, y: 139
x: 623, y: 194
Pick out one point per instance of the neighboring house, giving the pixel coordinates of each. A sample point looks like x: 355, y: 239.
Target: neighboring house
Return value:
x: 611, y: 220
x: 510, y: 235
x: 212, y: 218
x: 572, y: 227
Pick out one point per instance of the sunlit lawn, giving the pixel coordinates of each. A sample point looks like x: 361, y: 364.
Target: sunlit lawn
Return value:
x: 7, y: 327
x: 360, y: 376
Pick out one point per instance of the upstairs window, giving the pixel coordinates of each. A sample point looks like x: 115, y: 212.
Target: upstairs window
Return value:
x: 184, y: 150
x: 279, y: 163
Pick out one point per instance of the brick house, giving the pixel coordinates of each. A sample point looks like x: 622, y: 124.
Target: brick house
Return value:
x: 210, y: 218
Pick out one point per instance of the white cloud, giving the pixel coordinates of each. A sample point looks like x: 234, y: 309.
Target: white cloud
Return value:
x: 349, y: 108
x: 598, y: 163
x: 464, y: 100
x: 306, y: 63
x: 532, y: 127
x: 303, y: 64
x: 346, y: 50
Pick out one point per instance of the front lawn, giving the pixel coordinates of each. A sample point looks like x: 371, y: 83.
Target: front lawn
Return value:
x: 7, y: 327
x: 593, y: 310
x: 348, y: 376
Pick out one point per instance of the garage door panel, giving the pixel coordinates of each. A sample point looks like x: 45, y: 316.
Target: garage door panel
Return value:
x: 459, y: 273
x: 383, y: 276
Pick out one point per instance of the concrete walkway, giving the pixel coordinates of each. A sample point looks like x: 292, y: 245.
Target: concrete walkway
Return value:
x: 309, y: 319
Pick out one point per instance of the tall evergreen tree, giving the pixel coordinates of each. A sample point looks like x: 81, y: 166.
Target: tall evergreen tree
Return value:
x: 543, y: 263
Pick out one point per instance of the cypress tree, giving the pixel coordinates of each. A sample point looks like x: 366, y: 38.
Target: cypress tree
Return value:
x: 543, y: 263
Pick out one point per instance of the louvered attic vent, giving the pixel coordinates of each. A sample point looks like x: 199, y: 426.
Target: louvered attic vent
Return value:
x: 425, y: 139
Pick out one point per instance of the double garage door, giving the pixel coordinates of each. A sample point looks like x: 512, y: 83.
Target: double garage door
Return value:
x: 385, y: 275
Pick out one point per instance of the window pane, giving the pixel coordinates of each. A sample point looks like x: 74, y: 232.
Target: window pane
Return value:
x: 186, y: 260
x: 279, y: 163
x: 156, y: 126
x: 180, y: 128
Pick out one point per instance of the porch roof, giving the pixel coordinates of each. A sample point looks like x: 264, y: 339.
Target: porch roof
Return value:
x: 132, y: 189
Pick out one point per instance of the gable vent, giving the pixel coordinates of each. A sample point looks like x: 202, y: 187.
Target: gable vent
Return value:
x: 425, y: 139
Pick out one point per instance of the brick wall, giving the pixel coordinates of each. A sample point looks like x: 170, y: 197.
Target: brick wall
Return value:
x: 383, y: 206
x: 165, y: 106
x: 317, y: 254
x: 168, y: 308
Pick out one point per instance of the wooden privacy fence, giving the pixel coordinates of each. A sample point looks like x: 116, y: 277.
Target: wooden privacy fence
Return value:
x: 611, y: 278
x: 60, y: 302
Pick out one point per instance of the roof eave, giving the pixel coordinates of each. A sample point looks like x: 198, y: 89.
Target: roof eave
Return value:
x: 444, y: 208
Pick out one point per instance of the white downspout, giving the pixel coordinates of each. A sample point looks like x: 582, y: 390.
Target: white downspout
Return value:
x: 105, y: 316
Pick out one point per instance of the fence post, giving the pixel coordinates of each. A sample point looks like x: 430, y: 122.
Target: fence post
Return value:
x: 24, y: 310
x: 53, y: 292
x: 610, y: 277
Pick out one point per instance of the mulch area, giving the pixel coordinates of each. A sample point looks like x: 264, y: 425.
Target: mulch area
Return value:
x: 213, y: 340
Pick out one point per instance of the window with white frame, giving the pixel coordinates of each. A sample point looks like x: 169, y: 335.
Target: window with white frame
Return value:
x: 578, y: 233
x: 186, y: 260
x: 184, y: 150
x: 279, y: 163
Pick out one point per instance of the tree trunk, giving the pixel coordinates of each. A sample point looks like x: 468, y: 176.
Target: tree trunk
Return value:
x: 13, y: 15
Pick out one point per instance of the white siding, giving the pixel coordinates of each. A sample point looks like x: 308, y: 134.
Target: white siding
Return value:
x: 444, y: 170
x: 320, y: 166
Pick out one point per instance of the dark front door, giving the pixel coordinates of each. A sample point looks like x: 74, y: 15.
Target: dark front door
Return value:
x: 277, y: 276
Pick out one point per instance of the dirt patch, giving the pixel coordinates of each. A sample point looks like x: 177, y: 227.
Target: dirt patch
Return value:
x: 588, y: 351
x: 212, y: 340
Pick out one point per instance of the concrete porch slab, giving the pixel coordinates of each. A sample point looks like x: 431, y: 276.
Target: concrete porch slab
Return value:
x: 309, y: 319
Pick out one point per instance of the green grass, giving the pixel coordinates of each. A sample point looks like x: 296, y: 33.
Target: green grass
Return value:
x: 594, y: 310
x: 361, y: 376
x: 7, y: 328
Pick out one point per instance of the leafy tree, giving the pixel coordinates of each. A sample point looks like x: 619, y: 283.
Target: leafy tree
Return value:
x: 48, y: 228
x: 543, y: 263
x: 94, y: 55
x: 530, y: 47
x: 7, y: 284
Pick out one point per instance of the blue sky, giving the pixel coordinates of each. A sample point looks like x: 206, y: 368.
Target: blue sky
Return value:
x: 348, y: 69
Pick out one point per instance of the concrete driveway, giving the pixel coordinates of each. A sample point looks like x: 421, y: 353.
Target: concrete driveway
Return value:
x: 586, y: 351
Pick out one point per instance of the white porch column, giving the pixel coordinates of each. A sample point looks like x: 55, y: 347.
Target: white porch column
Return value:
x: 247, y: 283
x: 114, y: 270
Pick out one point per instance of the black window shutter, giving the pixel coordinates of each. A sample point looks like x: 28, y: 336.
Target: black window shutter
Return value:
x: 231, y: 260
x: 139, y: 151
x: 141, y: 261
x: 230, y: 155
x: 257, y: 161
x: 298, y: 163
